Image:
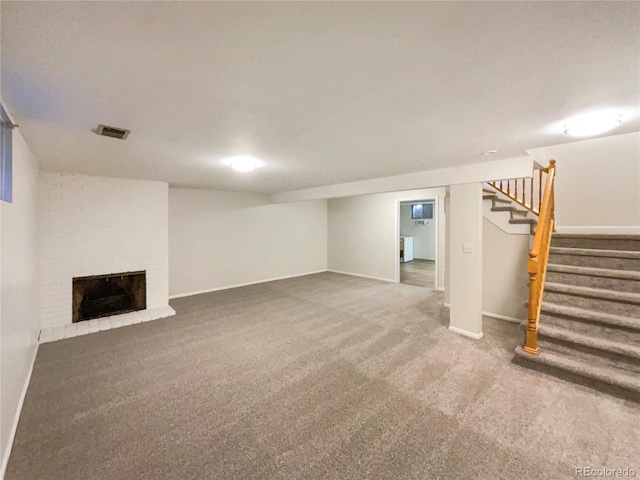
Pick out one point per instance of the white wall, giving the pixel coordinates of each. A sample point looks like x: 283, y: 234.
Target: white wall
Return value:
x: 424, y: 236
x: 504, y: 272
x: 597, y: 184
x: 362, y: 233
x: 447, y: 256
x: 221, y: 239
x: 98, y: 225
x: 19, y: 326
x: 465, y: 217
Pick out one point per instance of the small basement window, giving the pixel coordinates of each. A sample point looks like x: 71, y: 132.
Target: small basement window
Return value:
x: 5, y: 156
x: 422, y: 211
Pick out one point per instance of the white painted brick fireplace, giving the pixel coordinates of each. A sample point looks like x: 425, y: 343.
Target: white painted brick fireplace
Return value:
x: 96, y: 226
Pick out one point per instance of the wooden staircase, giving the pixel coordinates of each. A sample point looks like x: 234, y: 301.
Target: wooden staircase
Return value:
x: 589, y: 326
x: 518, y: 215
x: 584, y: 293
x: 523, y: 198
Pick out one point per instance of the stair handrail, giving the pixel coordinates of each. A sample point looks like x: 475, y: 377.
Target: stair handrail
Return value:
x: 525, y: 197
x: 539, y: 257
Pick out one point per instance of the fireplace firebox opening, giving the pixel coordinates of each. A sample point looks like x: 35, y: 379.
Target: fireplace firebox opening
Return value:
x: 104, y: 295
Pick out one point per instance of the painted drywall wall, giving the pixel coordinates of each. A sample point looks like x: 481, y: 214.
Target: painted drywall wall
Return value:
x: 424, y: 235
x: 447, y: 255
x: 223, y: 239
x: 98, y: 226
x: 597, y: 184
x: 19, y: 325
x: 504, y: 272
x: 466, y: 247
x: 362, y: 233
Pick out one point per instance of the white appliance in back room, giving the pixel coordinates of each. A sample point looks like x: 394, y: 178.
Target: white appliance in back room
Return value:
x: 406, y: 249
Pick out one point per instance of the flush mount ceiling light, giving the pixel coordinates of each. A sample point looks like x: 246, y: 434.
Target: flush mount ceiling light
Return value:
x: 593, y: 124
x: 489, y: 152
x: 243, y: 163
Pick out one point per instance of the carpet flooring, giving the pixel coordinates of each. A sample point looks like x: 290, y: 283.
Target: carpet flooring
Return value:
x: 320, y: 377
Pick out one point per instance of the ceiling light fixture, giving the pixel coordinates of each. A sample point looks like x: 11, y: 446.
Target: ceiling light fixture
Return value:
x: 593, y: 124
x: 490, y: 152
x: 243, y: 163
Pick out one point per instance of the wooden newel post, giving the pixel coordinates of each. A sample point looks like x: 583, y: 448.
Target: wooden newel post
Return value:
x: 552, y: 166
x: 531, y: 340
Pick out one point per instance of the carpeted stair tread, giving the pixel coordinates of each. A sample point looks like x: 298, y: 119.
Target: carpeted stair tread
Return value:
x: 597, y: 241
x: 609, y: 262
x: 598, y: 236
x: 590, y: 341
x: 595, y: 252
x: 609, y: 295
x: 513, y: 210
x: 517, y: 211
x: 593, y: 281
x: 590, y: 357
x: 611, y: 319
x: 606, y: 374
x: 598, y: 299
x: 523, y: 220
x: 594, y: 277
x: 496, y: 198
x: 594, y: 272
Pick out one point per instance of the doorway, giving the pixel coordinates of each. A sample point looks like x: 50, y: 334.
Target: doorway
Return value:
x: 418, y: 227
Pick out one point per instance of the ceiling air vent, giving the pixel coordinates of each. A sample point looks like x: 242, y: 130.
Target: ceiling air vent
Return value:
x: 114, y: 132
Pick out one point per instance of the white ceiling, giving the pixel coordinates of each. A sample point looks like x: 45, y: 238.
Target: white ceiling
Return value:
x: 325, y: 93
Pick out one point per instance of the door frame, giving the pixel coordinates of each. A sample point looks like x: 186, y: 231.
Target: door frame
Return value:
x: 436, y: 213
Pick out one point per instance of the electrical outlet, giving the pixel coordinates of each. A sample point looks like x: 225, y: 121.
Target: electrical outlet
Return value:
x: 467, y: 248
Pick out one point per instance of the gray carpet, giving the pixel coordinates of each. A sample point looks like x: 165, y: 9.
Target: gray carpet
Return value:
x: 326, y: 376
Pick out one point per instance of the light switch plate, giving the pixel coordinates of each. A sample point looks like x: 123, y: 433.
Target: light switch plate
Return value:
x: 467, y: 248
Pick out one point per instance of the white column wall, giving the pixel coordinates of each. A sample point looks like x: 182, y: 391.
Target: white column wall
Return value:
x: 465, y: 220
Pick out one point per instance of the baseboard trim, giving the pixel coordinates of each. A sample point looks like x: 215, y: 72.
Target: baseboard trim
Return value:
x: 229, y: 287
x: 503, y: 317
x: 495, y: 315
x: 362, y: 276
x: 628, y: 230
x: 475, y: 336
x: 16, y: 419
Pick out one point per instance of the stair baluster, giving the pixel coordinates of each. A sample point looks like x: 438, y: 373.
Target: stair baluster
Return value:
x: 531, y: 192
x: 512, y: 193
